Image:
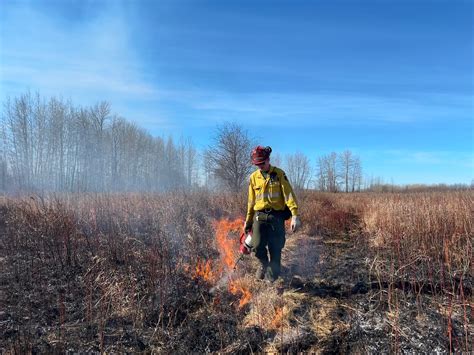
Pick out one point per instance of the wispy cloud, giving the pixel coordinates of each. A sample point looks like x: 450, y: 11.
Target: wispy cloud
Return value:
x: 95, y: 60
x: 92, y: 60
x: 307, y: 109
x: 424, y: 158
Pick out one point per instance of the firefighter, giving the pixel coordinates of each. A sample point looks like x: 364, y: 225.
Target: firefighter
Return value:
x: 271, y: 201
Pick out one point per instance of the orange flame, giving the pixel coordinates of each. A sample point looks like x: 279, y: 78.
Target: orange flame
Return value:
x: 204, y: 270
x: 277, y: 318
x: 237, y: 287
x: 228, y: 248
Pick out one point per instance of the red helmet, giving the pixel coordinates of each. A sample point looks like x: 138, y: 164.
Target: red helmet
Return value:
x: 260, y: 154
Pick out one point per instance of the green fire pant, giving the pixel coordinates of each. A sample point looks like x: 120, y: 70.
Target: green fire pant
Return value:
x: 269, y: 232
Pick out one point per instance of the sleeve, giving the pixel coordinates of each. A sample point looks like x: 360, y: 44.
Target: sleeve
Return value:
x: 251, y: 202
x: 289, y: 195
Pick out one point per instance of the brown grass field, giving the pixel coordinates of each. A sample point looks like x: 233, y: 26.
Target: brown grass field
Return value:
x: 368, y: 273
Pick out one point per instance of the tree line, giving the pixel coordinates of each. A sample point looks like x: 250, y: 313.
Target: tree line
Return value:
x: 228, y: 160
x: 52, y: 145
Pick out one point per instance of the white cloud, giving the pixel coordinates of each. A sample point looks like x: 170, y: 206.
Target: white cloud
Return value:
x: 90, y: 60
x: 95, y: 60
x: 306, y: 109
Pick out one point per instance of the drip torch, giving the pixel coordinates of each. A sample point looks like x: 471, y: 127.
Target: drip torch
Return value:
x: 245, y: 247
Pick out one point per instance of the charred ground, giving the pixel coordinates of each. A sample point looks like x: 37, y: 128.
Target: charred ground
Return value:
x: 118, y: 274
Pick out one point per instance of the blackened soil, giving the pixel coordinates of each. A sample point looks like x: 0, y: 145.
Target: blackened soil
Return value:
x: 362, y: 313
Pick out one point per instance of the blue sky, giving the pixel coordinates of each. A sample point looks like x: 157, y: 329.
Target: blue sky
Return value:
x: 390, y: 80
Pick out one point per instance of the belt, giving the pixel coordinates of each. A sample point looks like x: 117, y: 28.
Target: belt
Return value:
x: 268, y: 215
x: 268, y: 210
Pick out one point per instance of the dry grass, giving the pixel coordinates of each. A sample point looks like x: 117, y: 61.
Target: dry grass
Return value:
x: 332, y: 214
x: 112, y: 272
x: 271, y: 309
x: 412, y: 236
x: 105, y: 261
x: 420, y: 243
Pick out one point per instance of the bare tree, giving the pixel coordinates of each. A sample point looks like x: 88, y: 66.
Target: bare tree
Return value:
x: 54, y: 146
x: 321, y: 176
x: 339, y: 171
x: 298, y: 170
x: 331, y: 171
x: 347, y: 164
x: 188, y: 157
x: 229, y: 156
x: 99, y: 115
x: 4, y: 175
x: 19, y: 126
x: 328, y: 175
x: 356, y: 175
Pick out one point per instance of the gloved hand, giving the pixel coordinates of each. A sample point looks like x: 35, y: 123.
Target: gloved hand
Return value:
x: 247, y: 226
x: 295, y: 223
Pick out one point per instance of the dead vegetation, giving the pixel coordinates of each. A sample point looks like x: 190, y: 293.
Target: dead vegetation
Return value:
x: 132, y: 272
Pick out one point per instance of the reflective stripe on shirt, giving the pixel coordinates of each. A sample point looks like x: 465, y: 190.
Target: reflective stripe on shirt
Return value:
x: 268, y: 195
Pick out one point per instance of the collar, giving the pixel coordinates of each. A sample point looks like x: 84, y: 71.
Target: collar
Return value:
x: 267, y: 172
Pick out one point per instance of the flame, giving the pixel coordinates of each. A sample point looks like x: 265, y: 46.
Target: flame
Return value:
x: 236, y: 287
x: 228, y: 248
x: 277, y: 318
x: 204, y: 270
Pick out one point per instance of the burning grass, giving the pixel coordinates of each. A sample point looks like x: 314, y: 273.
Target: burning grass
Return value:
x: 107, y: 263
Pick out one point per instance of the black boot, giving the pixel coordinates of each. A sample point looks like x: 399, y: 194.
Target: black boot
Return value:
x: 271, y: 274
x: 274, y: 268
